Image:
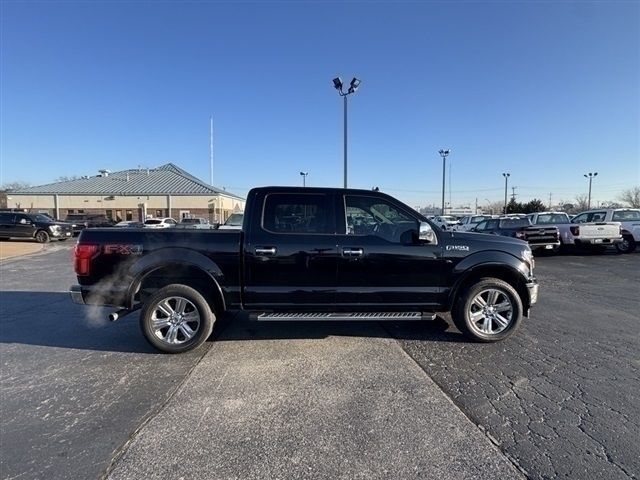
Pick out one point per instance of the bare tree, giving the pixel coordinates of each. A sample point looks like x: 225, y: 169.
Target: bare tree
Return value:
x: 631, y: 197
x: 11, y: 186
x: 66, y: 178
x: 580, y: 203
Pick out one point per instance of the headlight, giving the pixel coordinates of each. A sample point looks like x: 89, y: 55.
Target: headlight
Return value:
x: 527, y: 255
x: 54, y: 228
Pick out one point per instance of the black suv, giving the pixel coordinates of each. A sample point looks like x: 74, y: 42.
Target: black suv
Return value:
x: 81, y: 221
x: 33, y: 225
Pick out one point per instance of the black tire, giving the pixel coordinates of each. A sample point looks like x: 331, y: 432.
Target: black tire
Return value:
x: 42, y: 236
x: 627, y: 245
x: 206, y: 319
x: 463, y: 305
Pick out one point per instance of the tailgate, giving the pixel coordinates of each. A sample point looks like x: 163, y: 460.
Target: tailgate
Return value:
x: 536, y: 235
x: 599, y: 230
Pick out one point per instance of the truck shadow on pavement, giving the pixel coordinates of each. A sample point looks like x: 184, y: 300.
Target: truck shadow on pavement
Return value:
x: 50, y: 319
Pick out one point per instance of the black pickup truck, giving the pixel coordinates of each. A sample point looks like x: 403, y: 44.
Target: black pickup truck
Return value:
x: 539, y: 237
x: 307, y: 254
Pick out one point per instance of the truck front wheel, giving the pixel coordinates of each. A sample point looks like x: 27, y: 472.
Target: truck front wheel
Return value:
x: 488, y: 311
x: 176, y: 319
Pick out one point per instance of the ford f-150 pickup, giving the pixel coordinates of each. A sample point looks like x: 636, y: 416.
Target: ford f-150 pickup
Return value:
x: 307, y: 254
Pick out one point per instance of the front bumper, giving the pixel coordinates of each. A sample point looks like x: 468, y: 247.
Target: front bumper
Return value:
x: 532, y: 287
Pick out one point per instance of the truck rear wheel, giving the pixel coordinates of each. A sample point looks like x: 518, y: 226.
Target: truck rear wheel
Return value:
x: 176, y: 319
x: 627, y: 245
x: 488, y: 311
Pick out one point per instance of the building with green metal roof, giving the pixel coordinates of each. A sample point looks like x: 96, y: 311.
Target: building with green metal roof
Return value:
x: 134, y: 194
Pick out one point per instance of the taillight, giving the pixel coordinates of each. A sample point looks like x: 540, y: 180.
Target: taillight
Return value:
x: 83, y: 253
x: 575, y: 230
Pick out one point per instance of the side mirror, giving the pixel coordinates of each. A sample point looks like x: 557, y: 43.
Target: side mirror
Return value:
x: 425, y: 233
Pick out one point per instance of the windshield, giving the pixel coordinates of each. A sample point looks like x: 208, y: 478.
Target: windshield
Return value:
x: 189, y: 220
x: 479, y: 218
x: 153, y: 222
x: 235, y: 219
x: 549, y: 218
x: 41, y: 218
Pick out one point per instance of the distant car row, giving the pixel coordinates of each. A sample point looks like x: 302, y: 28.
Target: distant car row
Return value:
x: 551, y: 230
x: 43, y: 228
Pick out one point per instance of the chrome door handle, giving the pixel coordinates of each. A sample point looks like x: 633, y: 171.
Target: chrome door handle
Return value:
x: 265, y: 250
x: 352, y: 252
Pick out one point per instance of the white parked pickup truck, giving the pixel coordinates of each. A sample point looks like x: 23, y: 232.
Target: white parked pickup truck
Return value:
x: 628, y: 218
x: 591, y: 231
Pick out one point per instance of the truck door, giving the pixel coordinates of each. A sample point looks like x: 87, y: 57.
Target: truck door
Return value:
x: 24, y: 226
x: 290, y: 254
x: 381, y: 263
x: 7, y: 225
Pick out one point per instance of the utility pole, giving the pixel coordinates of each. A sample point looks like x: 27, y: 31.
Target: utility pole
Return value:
x: 590, y: 177
x: 211, y: 149
x: 550, y: 201
x: 353, y: 86
x: 476, y: 205
x: 506, y: 182
x: 443, y: 153
x: 513, y: 193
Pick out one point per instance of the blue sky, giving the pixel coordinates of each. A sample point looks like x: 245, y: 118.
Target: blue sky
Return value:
x: 545, y: 90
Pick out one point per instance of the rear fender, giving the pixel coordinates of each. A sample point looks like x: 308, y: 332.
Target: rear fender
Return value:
x: 180, y: 257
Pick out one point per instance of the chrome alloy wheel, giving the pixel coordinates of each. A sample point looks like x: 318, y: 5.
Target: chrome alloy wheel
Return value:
x: 490, y: 311
x: 175, y: 320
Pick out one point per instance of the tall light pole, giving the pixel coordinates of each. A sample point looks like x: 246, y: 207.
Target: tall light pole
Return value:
x: 590, y: 177
x: 506, y: 182
x: 353, y: 86
x: 443, y: 153
x: 304, y: 178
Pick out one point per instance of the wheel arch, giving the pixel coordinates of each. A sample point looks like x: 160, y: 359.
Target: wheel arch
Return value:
x: 178, y: 266
x: 507, y: 272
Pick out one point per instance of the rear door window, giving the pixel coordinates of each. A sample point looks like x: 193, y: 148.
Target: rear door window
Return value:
x: 298, y: 213
x: 626, y: 216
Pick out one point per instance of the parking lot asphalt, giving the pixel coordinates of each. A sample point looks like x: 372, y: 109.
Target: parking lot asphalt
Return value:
x: 562, y: 397
x: 318, y: 400
x: 266, y: 400
x: 73, y: 388
x: 81, y: 397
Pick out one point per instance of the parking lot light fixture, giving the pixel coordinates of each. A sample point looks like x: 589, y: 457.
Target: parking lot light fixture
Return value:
x: 304, y: 178
x: 443, y: 153
x: 506, y: 182
x: 353, y: 86
x: 590, y: 176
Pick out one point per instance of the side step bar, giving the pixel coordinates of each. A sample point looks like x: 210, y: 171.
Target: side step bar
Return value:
x: 345, y: 316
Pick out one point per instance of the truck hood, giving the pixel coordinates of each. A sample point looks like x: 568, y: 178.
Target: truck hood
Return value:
x: 487, y: 238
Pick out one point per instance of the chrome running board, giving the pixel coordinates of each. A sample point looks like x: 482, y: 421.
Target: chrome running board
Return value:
x: 344, y: 316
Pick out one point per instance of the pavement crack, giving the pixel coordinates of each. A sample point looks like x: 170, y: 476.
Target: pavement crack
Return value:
x: 118, y: 452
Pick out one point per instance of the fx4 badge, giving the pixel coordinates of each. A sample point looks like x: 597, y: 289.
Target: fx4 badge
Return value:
x: 117, y: 249
x: 459, y: 248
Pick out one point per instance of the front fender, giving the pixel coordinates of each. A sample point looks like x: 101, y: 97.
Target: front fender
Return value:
x: 487, y: 260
